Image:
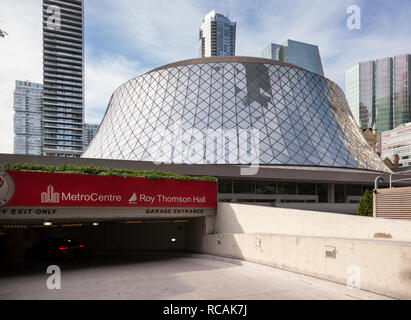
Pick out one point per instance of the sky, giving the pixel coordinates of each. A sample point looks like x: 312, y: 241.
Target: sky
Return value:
x: 126, y: 38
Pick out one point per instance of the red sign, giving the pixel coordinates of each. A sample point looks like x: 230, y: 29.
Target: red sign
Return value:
x: 39, y: 189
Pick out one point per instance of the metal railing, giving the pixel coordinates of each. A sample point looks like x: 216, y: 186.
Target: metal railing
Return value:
x: 399, y: 180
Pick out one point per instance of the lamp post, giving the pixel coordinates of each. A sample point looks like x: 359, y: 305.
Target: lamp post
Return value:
x: 378, y: 180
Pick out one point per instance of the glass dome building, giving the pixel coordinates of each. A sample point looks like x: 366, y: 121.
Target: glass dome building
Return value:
x: 290, y: 116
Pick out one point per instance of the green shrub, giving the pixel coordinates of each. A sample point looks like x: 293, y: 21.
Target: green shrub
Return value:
x: 366, y: 205
x: 67, y: 168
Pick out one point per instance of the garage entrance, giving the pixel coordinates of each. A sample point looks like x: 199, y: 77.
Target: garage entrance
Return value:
x: 133, y: 235
x: 106, y: 213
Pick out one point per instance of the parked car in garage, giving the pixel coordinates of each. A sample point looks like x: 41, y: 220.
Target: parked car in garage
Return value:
x: 55, y: 248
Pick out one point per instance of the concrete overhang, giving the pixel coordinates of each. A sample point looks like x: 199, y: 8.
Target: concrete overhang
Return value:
x: 265, y: 172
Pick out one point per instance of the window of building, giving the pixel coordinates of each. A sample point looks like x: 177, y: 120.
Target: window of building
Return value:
x: 306, y: 188
x: 339, y: 193
x: 322, y: 192
x: 354, y: 190
x: 287, y: 188
x: 245, y: 200
x: 265, y: 187
x: 244, y: 187
x: 225, y: 186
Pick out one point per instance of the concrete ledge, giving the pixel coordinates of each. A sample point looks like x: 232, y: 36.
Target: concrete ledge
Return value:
x: 382, y: 267
x: 238, y: 218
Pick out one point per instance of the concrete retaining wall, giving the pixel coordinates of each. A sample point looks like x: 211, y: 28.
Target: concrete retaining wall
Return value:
x: 379, y: 266
x: 373, y: 254
x: 237, y: 218
x: 345, y: 208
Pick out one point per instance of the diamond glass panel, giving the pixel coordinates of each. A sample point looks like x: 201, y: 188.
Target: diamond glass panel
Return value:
x: 301, y: 117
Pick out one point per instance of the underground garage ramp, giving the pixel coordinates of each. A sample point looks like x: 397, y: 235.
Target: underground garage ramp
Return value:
x: 175, y: 235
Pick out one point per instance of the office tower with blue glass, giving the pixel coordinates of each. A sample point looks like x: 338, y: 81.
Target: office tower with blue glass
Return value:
x: 63, y: 70
x: 301, y: 54
x: 217, y: 36
x: 378, y: 92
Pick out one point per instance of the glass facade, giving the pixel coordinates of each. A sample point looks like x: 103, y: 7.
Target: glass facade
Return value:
x: 302, y: 118
x: 301, y: 54
x: 378, y: 92
x: 275, y: 191
x: 350, y: 193
x: 231, y: 189
x: 384, y: 101
x: 401, y: 94
x: 367, y: 94
x: 353, y: 91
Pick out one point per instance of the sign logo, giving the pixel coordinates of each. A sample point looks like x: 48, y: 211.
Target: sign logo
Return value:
x: 50, y: 196
x: 133, y: 199
x: 6, y: 188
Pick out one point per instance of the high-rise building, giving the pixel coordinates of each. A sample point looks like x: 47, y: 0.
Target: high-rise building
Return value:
x: 63, y: 70
x: 27, y: 118
x: 217, y: 36
x: 397, y: 142
x: 89, y: 131
x: 378, y: 92
x: 301, y: 54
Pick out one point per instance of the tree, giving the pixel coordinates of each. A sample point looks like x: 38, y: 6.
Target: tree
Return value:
x: 3, y: 34
x: 366, y: 205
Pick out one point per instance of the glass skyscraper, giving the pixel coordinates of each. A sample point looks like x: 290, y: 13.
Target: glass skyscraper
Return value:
x: 217, y: 36
x: 63, y: 99
x: 301, y: 54
x: 378, y: 92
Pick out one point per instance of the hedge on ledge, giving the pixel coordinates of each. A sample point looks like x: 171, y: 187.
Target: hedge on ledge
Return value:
x: 67, y: 168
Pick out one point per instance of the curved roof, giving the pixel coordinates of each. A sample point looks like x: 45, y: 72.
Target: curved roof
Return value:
x: 225, y: 59
x: 266, y: 112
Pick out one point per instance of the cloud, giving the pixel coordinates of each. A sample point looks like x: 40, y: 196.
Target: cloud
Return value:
x: 103, y: 77
x: 20, y: 58
x: 157, y: 32
x: 124, y: 39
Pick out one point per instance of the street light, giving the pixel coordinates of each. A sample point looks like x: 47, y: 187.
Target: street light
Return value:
x: 378, y: 180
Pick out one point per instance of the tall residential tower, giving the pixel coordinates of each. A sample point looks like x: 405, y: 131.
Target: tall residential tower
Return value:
x: 378, y: 92
x: 217, y: 36
x: 63, y: 70
x: 89, y: 131
x: 27, y: 118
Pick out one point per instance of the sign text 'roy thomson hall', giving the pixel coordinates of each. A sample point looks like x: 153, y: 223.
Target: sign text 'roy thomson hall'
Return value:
x: 34, y: 196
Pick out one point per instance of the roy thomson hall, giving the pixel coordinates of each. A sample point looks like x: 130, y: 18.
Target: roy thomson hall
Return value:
x: 272, y: 133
